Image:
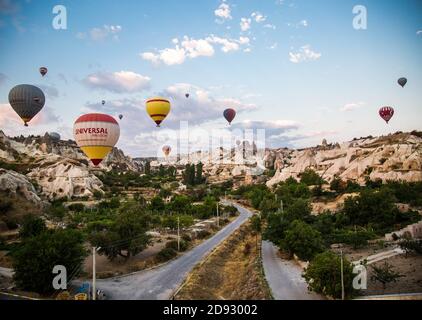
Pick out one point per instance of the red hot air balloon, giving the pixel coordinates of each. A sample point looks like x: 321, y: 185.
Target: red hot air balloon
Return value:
x: 43, y: 71
x: 229, y: 114
x: 386, y: 113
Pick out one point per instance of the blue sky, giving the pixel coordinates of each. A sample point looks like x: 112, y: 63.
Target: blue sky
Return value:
x: 297, y: 68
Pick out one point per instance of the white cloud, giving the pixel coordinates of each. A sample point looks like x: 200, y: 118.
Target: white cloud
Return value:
x: 138, y: 136
x: 119, y: 82
x: 50, y: 91
x: 258, y: 17
x: 197, y: 48
x: 304, y: 23
x: 193, y: 48
x: 245, y: 24
x: 304, y: 54
x: 270, y: 26
x: 419, y: 32
x: 3, y: 78
x: 101, y: 33
x: 223, y: 12
x: 12, y: 125
x: 352, y: 106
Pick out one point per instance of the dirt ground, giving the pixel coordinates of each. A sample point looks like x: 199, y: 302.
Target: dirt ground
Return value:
x: 409, y: 266
x: 232, y: 272
x: 5, y: 260
x: 106, y: 268
x: 411, y: 282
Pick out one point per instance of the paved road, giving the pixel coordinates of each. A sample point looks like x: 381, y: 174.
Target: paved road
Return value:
x: 284, y: 277
x: 160, y: 283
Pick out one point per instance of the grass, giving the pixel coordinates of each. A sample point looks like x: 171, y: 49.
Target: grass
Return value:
x: 232, y: 272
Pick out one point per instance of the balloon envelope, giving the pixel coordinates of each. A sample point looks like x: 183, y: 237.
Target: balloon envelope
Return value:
x: 166, y: 150
x: 402, y: 82
x: 120, y: 116
x: 187, y: 95
x: 386, y: 113
x: 158, y: 108
x: 103, y: 102
x: 43, y: 71
x: 229, y: 114
x: 27, y: 101
x: 96, y: 134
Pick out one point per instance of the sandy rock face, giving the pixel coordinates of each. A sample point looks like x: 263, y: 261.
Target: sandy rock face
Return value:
x: 393, y: 157
x: 60, y: 177
x: 14, y: 182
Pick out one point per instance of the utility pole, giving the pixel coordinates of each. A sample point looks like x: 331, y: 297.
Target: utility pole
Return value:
x: 281, y: 206
x: 94, y: 290
x: 218, y: 217
x: 178, y: 234
x: 342, y: 276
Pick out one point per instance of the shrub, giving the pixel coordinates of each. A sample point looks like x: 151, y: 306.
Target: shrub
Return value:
x: 173, y: 245
x: 186, y: 238
x: 76, y: 207
x: 203, y: 234
x: 166, y: 254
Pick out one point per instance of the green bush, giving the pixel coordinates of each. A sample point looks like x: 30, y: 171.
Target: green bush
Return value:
x: 32, y: 226
x: 76, y: 207
x: 166, y: 254
x: 173, y: 244
x: 203, y: 234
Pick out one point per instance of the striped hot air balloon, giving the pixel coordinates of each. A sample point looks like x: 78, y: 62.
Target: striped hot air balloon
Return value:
x: 158, y: 108
x: 27, y: 101
x: 96, y: 134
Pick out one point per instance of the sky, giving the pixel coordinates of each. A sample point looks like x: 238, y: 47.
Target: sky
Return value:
x: 300, y: 69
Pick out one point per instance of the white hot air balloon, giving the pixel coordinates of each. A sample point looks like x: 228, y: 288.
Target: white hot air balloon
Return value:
x: 96, y: 134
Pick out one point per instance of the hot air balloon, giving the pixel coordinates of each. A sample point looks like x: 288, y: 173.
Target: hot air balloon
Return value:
x: 103, y: 102
x: 402, y: 82
x: 187, y: 95
x: 120, y: 116
x: 27, y: 101
x: 386, y: 113
x: 96, y: 134
x: 229, y: 114
x: 166, y: 150
x: 158, y: 108
x: 54, y: 135
x: 43, y: 71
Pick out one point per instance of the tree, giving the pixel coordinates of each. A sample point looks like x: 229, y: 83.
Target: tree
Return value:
x: 385, y: 274
x: 189, y: 175
x: 199, y: 179
x: 32, y: 226
x: 147, y: 168
x: 256, y: 225
x: 338, y: 185
x: 35, y: 258
x: 303, y: 240
x: 311, y: 178
x: 323, y: 275
x: 157, y: 204
x: 125, y: 237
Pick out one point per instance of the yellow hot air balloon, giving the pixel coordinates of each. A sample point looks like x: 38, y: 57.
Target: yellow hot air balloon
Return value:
x: 96, y: 134
x: 158, y: 108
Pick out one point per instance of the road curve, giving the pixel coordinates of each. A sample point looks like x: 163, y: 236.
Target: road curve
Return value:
x: 160, y: 283
x: 284, y: 277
